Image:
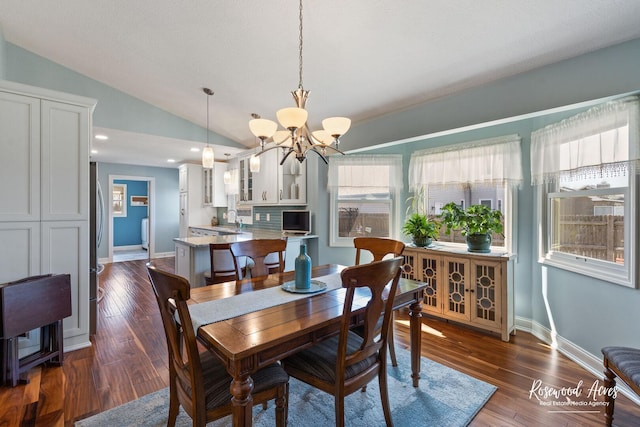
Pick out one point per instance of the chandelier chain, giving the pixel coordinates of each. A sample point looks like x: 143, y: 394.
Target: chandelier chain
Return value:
x: 300, y: 49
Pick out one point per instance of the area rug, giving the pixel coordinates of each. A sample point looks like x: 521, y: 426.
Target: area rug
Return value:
x: 445, y: 397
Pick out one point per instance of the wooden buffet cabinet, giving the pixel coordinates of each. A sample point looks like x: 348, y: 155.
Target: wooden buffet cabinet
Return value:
x: 470, y: 288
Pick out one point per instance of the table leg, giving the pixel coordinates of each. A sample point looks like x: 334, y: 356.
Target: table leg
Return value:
x: 415, y: 323
x: 242, y: 401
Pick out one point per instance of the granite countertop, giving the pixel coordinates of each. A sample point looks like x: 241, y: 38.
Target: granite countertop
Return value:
x: 234, y: 235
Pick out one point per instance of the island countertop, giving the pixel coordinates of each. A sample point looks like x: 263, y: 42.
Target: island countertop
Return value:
x: 231, y: 235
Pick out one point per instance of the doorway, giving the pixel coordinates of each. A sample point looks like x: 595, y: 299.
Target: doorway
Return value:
x: 123, y: 203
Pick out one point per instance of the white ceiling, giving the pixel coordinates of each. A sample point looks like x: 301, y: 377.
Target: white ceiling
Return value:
x: 362, y: 58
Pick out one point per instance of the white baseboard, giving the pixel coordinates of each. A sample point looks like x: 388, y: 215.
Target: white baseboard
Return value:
x: 128, y: 248
x: 588, y: 361
x: 163, y: 255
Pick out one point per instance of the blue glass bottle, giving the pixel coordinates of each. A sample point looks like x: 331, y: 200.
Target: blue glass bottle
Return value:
x: 303, y: 268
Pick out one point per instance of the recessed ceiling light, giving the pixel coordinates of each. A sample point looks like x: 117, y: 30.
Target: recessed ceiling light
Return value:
x: 94, y: 151
x: 171, y: 160
x: 102, y: 137
x: 195, y: 149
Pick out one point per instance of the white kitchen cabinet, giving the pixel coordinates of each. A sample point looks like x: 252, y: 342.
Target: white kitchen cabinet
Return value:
x: 44, y: 185
x: 213, y: 190
x: 274, y: 184
x: 292, y: 181
x: 259, y: 188
x: 193, y: 211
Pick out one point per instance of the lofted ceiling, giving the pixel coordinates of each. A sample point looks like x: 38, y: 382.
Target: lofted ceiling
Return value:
x: 362, y: 58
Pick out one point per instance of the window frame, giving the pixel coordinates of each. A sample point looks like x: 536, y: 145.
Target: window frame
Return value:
x: 394, y: 209
x: 625, y: 275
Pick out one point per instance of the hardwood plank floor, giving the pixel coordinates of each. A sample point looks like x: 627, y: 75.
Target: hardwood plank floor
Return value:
x: 128, y: 360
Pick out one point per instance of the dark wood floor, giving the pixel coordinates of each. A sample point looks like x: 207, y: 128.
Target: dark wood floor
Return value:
x: 128, y: 360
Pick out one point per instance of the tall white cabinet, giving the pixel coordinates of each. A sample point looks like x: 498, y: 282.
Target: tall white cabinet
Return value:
x: 44, y: 186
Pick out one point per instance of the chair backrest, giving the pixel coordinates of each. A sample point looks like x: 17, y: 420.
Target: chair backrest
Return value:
x: 223, y: 267
x: 185, y: 369
x: 374, y: 276
x: 379, y: 247
x: 258, y: 250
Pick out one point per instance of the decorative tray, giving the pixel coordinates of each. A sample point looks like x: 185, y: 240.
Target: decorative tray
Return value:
x: 316, y: 286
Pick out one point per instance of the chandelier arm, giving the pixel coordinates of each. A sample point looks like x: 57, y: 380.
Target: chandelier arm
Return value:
x: 324, y: 159
x: 291, y: 150
x: 333, y: 148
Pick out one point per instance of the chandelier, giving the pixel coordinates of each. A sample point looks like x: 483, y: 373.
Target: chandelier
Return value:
x: 207, y: 153
x: 297, y: 139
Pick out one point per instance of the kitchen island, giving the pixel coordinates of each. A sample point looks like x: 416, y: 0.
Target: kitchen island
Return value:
x: 192, y: 253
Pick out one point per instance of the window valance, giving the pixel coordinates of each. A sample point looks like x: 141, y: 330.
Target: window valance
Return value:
x: 601, y: 142
x: 488, y: 161
x: 366, y: 173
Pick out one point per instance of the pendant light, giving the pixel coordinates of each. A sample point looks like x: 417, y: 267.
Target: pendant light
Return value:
x: 207, y: 153
x: 297, y: 139
x: 226, y: 176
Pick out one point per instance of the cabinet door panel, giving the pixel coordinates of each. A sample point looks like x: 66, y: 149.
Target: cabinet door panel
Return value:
x: 292, y: 181
x: 20, y: 158
x: 65, y: 161
x: 20, y: 250
x: 486, y: 285
x: 430, y: 274
x: 456, y: 278
x: 65, y: 249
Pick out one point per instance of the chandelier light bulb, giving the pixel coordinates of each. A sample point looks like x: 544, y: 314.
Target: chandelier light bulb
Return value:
x: 292, y: 118
x: 336, y: 126
x: 263, y: 128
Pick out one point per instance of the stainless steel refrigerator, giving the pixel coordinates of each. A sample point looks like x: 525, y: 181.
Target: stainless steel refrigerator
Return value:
x: 96, y: 227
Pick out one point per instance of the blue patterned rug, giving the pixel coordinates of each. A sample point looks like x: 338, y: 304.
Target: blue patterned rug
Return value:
x: 445, y: 397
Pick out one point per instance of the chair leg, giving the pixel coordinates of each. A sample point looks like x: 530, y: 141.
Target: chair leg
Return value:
x: 339, y: 399
x: 390, y: 341
x: 610, y: 383
x: 174, y: 406
x: 384, y: 396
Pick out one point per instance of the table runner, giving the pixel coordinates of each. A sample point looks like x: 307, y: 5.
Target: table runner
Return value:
x: 214, y: 311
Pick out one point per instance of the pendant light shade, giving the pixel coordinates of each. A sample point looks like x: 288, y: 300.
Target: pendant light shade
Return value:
x: 336, y: 126
x: 254, y: 164
x: 207, y: 153
x: 207, y: 158
x: 292, y: 118
x: 263, y: 128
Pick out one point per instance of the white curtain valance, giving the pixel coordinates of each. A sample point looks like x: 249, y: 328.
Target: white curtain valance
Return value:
x: 365, y: 173
x: 488, y: 161
x: 601, y: 142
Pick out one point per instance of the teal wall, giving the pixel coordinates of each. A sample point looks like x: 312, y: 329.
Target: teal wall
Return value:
x: 164, y: 207
x: 127, y: 230
x: 587, y: 312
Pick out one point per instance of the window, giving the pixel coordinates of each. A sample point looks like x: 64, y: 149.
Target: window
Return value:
x: 485, y: 172
x: 585, y: 168
x: 364, y: 193
x: 119, y: 199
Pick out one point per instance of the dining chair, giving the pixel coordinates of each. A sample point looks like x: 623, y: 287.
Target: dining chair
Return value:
x: 347, y: 362
x: 198, y: 381
x: 379, y: 248
x: 258, y: 251
x: 223, y: 269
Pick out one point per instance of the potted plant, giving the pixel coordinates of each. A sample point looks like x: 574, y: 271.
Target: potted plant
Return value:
x: 421, y: 229
x: 476, y: 223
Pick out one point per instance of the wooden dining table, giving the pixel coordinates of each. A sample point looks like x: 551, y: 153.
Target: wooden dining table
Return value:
x: 251, y: 341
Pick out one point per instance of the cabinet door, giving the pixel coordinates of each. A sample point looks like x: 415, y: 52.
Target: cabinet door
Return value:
x: 219, y: 188
x: 429, y: 272
x: 207, y: 186
x: 19, y: 158
x: 409, y: 268
x: 65, y: 248
x: 183, y: 178
x: 292, y: 181
x: 19, y: 251
x: 245, y: 181
x: 456, y: 277
x: 65, y: 162
x: 486, y: 289
x: 265, y: 182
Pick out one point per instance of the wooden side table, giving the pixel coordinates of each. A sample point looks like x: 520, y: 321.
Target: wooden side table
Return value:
x: 32, y: 303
